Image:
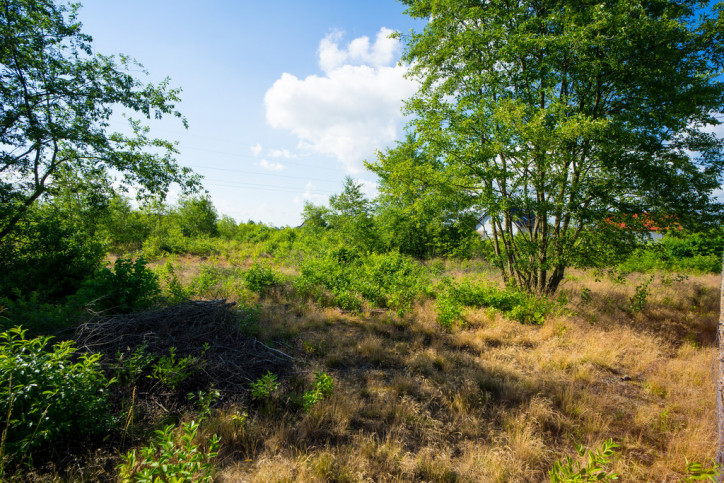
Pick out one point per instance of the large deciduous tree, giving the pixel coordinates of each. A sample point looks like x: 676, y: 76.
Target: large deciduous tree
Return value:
x: 56, y: 102
x: 568, y: 113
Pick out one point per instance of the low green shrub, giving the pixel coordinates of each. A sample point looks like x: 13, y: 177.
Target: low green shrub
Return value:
x: 171, y: 287
x: 128, y: 287
x: 323, y: 388
x: 172, y: 371
x: 169, y: 460
x: 568, y: 470
x: 265, y: 386
x: 515, y: 305
x: 261, y: 278
x: 449, y: 311
x: 388, y: 280
x: 637, y: 302
x: 31, y: 312
x: 391, y: 280
x: 49, y: 393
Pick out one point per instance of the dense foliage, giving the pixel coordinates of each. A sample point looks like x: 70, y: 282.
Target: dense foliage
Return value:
x: 48, y: 393
x: 57, y: 99
x: 549, y: 118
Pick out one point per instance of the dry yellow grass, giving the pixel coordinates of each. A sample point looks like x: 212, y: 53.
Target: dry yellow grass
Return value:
x: 493, y: 400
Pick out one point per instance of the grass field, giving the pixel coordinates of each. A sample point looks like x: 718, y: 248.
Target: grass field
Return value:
x: 489, y: 400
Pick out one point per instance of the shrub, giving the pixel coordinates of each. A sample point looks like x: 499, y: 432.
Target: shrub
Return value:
x: 260, y: 278
x: 31, y: 312
x: 265, y: 386
x: 569, y: 471
x: 323, y: 388
x: 637, y: 302
x: 387, y: 280
x: 391, y: 280
x: 49, y: 393
x: 516, y: 305
x: 169, y: 460
x: 449, y: 311
x: 171, y: 371
x: 50, y: 255
x: 129, y: 286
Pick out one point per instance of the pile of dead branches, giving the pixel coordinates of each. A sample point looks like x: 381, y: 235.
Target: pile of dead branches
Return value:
x: 210, y: 331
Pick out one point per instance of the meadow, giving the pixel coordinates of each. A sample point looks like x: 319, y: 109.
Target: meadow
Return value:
x: 243, y: 352
x: 489, y: 399
x: 432, y: 374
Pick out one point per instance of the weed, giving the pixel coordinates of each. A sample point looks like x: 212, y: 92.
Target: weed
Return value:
x: 697, y: 472
x: 264, y: 387
x: 169, y: 460
x: 249, y: 318
x: 569, y: 471
x: 172, y: 372
x: 323, y: 388
x: 204, y: 399
x: 637, y: 302
x: 133, y: 365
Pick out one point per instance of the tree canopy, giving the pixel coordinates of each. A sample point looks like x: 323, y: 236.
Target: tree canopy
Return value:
x: 56, y: 102
x: 570, y: 112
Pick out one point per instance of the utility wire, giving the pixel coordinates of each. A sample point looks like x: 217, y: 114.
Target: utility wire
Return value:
x: 323, y: 180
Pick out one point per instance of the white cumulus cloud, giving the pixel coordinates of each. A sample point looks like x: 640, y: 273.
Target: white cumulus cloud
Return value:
x: 281, y: 153
x: 256, y: 149
x: 351, y: 110
x: 271, y: 166
x: 311, y: 194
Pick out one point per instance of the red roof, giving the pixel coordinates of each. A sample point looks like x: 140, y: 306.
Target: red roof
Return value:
x: 644, y: 219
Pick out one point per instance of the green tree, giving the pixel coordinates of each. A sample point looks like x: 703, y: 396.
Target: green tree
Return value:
x: 197, y: 216
x: 350, y: 217
x: 415, y: 214
x: 568, y: 112
x: 57, y: 98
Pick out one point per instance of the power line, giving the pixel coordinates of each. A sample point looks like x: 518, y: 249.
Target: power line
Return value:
x: 250, y: 156
x: 262, y: 187
x: 265, y: 174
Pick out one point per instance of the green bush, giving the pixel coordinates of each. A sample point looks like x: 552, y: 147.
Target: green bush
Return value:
x: 569, y: 471
x: 389, y: 280
x: 129, y: 286
x: 449, y: 311
x: 515, y: 305
x: 48, y: 254
x: 33, y: 313
x: 166, y: 460
x: 49, y: 393
x: 260, y: 278
x: 323, y: 388
x: 265, y: 386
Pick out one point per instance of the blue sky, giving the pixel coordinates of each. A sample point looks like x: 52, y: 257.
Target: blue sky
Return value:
x: 284, y: 99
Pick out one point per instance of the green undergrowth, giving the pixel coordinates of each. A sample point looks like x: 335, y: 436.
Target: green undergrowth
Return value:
x: 454, y: 296
x: 349, y: 280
